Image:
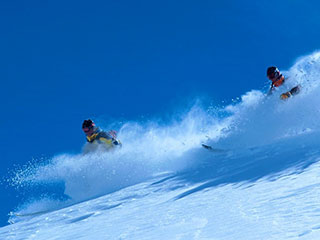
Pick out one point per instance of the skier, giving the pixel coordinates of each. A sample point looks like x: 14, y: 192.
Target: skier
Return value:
x: 96, y: 137
x: 277, y: 80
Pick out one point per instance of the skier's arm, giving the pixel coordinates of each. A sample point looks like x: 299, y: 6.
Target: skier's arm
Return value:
x: 109, y: 138
x: 295, y: 90
x: 115, y: 141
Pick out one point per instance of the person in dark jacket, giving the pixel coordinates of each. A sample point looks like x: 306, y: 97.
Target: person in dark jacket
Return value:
x: 278, y: 80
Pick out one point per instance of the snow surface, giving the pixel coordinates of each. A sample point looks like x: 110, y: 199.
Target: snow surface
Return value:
x: 162, y: 184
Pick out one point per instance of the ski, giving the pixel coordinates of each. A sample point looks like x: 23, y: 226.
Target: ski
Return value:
x: 27, y: 214
x: 210, y: 148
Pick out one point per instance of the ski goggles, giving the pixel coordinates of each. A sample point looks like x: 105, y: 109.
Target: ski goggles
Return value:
x: 86, y: 129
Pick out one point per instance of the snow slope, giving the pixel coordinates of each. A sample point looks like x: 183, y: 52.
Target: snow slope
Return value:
x: 163, y: 185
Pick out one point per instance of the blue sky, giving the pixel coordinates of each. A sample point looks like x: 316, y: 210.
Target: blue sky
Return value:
x: 64, y: 61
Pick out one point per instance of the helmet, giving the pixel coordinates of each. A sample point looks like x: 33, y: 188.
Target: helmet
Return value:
x: 273, y: 72
x: 88, y: 124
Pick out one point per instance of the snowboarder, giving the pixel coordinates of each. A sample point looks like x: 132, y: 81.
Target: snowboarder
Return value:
x: 277, y: 80
x: 95, y: 136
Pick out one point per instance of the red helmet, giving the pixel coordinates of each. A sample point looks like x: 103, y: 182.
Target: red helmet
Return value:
x: 273, y: 72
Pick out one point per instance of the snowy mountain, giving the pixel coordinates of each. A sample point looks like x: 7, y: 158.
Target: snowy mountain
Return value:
x: 260, y: 181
